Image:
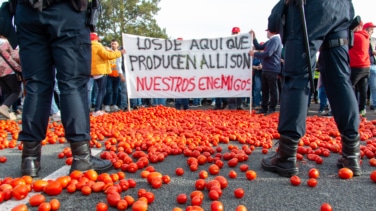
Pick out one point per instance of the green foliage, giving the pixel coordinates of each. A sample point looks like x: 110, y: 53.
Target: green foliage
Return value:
x: 129, y: 16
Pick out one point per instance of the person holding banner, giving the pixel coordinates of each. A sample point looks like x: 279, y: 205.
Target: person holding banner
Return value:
x: 270, y: 56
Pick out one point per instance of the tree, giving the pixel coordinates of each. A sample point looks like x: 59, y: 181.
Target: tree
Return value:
x: 128, y: 16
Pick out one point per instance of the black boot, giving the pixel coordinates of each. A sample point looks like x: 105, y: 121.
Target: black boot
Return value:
x: 83, y: 160
x: 31, y: 152
x: 284, y: 160
x: 350, y: 155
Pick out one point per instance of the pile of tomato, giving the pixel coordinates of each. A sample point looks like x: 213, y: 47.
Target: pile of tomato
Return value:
x: 133, y: 141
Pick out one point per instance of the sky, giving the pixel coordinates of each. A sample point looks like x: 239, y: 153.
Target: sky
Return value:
x: 190, y: 19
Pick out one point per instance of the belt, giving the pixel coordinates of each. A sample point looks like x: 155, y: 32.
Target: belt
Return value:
x: 335, y: 42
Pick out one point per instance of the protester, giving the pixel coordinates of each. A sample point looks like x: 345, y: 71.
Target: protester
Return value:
x: 9, y: 83
x: 369, y: 27
x: 100, y: 67
x: 332, y: 33
x: 360, y: 66
x: 55, y: 35
x: 271, y: 67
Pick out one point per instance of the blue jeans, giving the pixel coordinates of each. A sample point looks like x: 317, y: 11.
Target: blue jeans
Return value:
x: 372, y: 84
x: 256, y: 88
x: 196, y: 101
x: 123, y: 95
x: 54, y: 107
x: 136, y: 102
x: 112, y: 90
x: 158, y: 101
x: 323, y: 99
x: 181, y: 102
x: 101, y: 83
x: 90, y: 88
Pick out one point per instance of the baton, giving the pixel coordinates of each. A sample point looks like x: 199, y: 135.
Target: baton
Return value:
x: 301, y: 3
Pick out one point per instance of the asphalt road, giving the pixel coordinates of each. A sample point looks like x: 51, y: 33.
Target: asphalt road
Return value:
x: 267, y: 192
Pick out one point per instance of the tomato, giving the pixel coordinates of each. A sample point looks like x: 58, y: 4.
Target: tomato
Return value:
x: 216, y: 206
x: 3, y: 159
x: 295, y: 180
x: 36, y: 200
x: 239, y: 193
x: 372, y: 161
x: 222, y: 181
x: 91, y: 174
x: 166, y: 179
x: 214, y: 195
x: 311, y: 182
x: 45, y: 206
x: 232, y: 174
x: 55, y: 204
x: 86, y: 190
x: 345, y: 173
x: 122, y: 205
x: 214, y: 169
x: 101, y: 206
x: 326, y: 207
x: 373, y: 176
x: 179, y: 171
x: 113, y: 198
x: 196, y: 201
x: 132, y: 183
x: 200, y: 184
x: 20, y: 207
x: 181, y: 198
x: 39, y: 185
x: 149, y: 196
x: 241, y: 208
x: 243, y: 167
x: 20, y: 191
x: 203, y: 174
x: 250, y: 175
x: 140, y: 205
x: 129, y: 199
x: 53, y: 188
x: 314, y: 173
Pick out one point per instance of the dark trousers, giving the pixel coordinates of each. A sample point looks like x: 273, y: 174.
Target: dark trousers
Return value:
x: 56, y: 37
x: 10, y: 88
x: 269, y: 89
x: 333, y: 63
x: 112, y: 90
x: 101, y: 84
x: 359, y: 80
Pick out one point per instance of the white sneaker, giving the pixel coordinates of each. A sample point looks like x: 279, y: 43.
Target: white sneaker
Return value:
x: 4, y: 110
x: 56, y: 116
x: 107, y: 108
x: 97, y: 113
x: 114, y: 108
x: 213, y: 103
x: 12, y: 116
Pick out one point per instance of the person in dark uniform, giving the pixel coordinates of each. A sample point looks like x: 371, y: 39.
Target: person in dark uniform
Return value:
x: 328, y: 24
x: 55, y: 34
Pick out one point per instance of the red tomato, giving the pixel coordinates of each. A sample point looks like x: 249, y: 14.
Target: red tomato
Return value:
x: 36, y: 200
x: 373, y: 176
x: 179, y: 171
x: 251, y: 175
x: 239, y: 193
x: 232, y: 174
x: 314, y: 173
x: 181, y: 198
x: 214, y: 169
x: 326, y: 207
x: 372, y: 161
x: 45, y: 206
x: 55, y: 204
x: 200, y: 184
x: 311, y: 182
x: 122, y: 205
x: 216, y: 206
x: 203, y: 174
x: 113, y: 198
x: 3, y: 159
x: 140, y: 205
x: 222, y: 180
x: 20, y: 191
x: 53, y: 188
x: 101, y: 206
x: 166, y: 179
x: 149, y: 196
x: 214, y: 195
x: 241, y: 208
x: 243, y: 167
x: 21, y: 207
x: 295, y: 180
x: 345, y: 173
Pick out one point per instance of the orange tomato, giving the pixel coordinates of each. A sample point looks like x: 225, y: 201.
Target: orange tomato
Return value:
x: 36, y: 200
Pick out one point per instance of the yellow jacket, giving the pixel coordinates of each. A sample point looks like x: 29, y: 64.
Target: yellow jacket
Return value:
x: 101, y: 57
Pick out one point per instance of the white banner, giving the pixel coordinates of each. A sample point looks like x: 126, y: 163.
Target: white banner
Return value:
x: 197, y: 68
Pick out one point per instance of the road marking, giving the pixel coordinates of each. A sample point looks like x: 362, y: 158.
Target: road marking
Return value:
x: 8, y: 205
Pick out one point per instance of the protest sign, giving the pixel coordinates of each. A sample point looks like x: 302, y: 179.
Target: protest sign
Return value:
x: 196, y: 68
